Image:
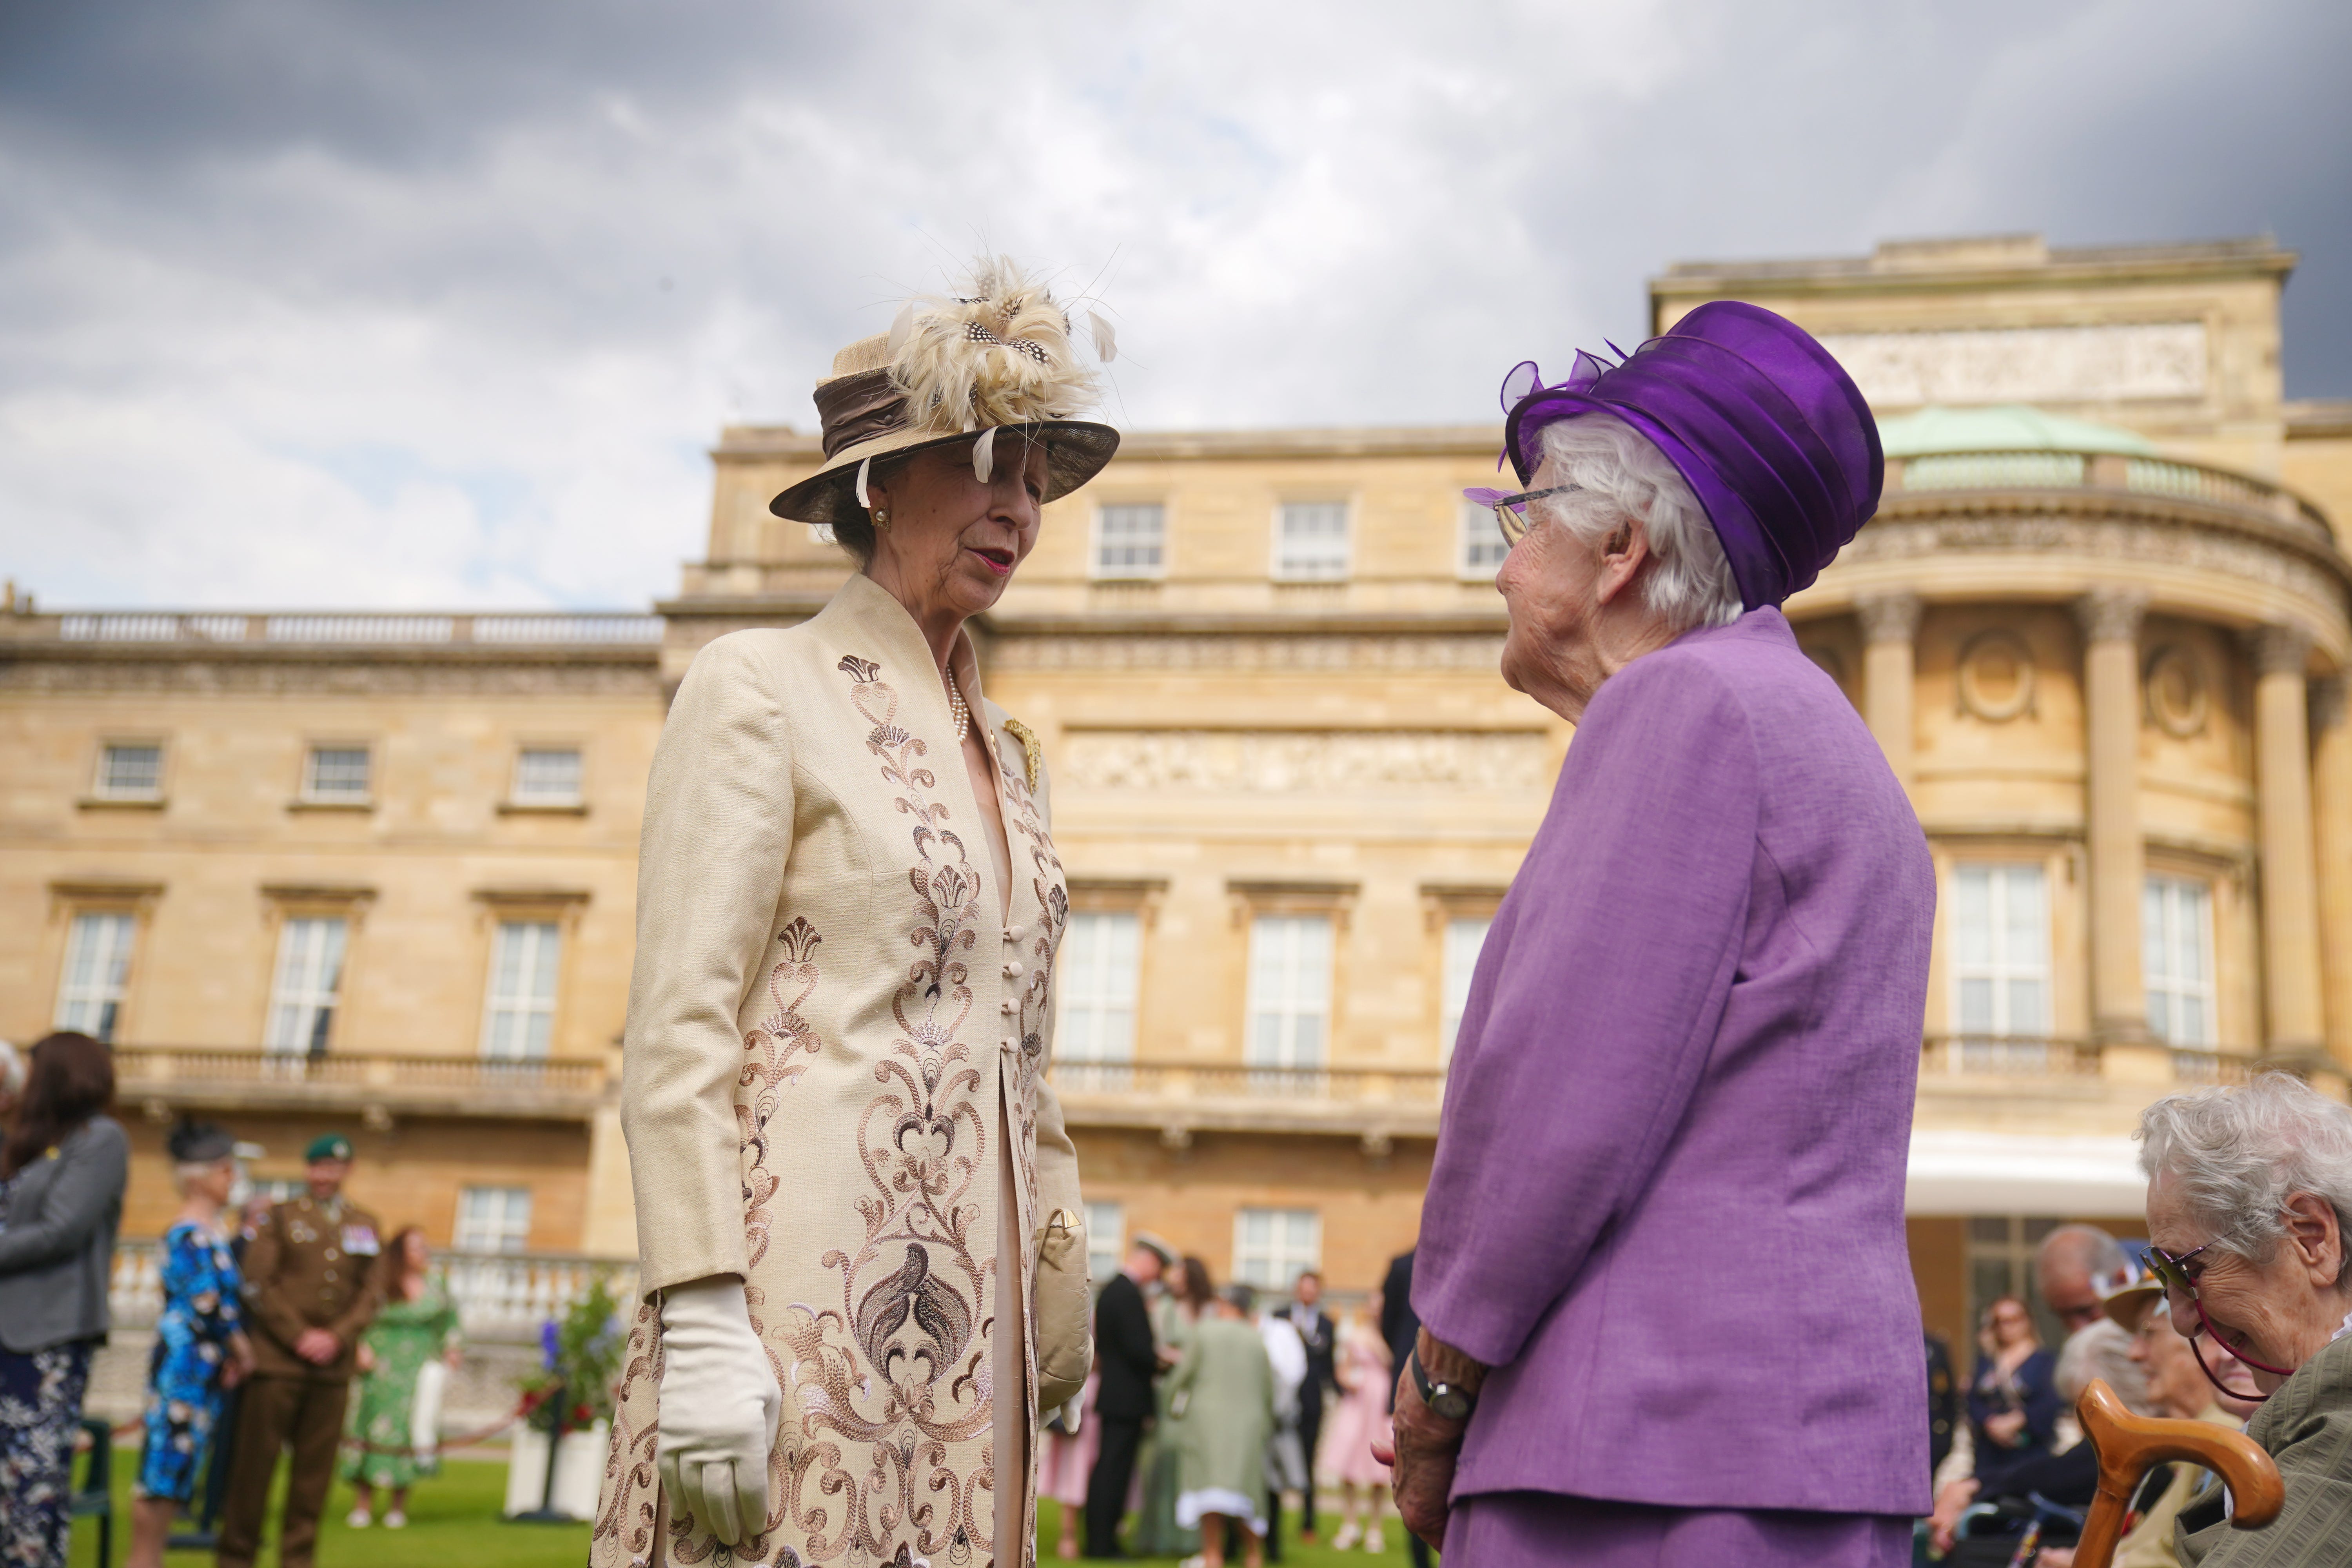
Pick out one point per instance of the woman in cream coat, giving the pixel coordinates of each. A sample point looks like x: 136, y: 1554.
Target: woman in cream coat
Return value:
x: 846, y: 1153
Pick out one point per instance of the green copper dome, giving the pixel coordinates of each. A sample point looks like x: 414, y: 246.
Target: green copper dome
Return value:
x: 2003, y: 427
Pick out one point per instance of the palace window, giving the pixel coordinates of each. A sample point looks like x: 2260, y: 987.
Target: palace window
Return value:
x: 1289, y: 992
x: 1272, y: 1247
x: 337, y: 773
x: 1482, y: 545
x: 519, y: 1012
x: 1310, y: 542
x: 1095, y: 1023
x: 1130, y: 540
x: 130, y: 771
x: 1464, y: 938
x: 547, y: 775
x: 2001, y: 950
x: 1106, y: 1239
x: 309, y: 977
x: 97, y: 972
x: 2176, y: 927
x: 493, y: 1219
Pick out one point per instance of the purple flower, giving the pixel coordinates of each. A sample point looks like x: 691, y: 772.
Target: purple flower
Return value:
x: 547, y: 1342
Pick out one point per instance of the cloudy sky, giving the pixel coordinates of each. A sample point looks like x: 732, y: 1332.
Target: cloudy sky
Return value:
x: 440, y: 301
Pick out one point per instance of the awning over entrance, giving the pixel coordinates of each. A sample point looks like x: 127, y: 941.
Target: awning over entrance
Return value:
x: 1956, y: 1173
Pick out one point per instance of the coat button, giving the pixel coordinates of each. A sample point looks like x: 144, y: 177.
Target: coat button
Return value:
x: 1006, y: 1042
x: 1005, y: 1006
x: 1013, y: 970
x: 1015, y: 933
x: 331, y: 1274
x: 332, y: 1255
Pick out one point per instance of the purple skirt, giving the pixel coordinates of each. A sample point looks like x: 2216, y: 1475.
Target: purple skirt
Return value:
x: 1507, y: 1529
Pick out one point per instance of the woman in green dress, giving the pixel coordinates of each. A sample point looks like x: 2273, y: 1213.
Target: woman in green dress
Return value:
x: 417, y: 1328
x: 1227, y: 1382
x: 1155, y: 1531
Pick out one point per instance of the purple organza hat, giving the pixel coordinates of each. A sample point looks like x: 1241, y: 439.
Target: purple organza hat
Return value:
x: 1771, y: 433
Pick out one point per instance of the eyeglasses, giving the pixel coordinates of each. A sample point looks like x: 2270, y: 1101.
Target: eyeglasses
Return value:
x: 2172, y: 1270
x: 1508, y: 511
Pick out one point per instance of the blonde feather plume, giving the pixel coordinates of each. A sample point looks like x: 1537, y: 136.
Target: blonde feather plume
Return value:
x: 999, y: 354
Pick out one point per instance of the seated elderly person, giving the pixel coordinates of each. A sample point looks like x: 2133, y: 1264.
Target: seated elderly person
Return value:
x: 2249, y: 1199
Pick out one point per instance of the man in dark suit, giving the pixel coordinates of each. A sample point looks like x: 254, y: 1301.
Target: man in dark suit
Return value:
x: 1125, y: 1352
x: 1318, y: 1334
x: 1400, y: 1326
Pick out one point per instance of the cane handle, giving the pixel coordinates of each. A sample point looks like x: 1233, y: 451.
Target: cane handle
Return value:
x: 2128, y: 1446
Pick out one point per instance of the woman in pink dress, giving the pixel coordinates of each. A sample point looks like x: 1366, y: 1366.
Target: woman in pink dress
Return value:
x: 1063, y: 1467
x: 1345, y: 1452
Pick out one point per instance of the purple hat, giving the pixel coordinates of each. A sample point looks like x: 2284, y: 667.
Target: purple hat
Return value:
x: 1771, y: 434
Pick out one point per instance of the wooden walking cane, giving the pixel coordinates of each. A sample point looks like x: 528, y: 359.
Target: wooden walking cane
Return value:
x: 2129, y: 1445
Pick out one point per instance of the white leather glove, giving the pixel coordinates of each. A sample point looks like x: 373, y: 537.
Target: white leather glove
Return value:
x: 719, y: 1404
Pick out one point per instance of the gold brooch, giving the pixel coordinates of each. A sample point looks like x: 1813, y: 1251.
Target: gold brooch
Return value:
x: 1033, y: 753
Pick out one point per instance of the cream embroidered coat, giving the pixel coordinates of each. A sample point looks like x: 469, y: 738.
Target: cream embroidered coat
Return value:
x: 829, y: 1023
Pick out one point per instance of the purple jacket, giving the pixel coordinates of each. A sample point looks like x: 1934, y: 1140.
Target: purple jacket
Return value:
x: 1667, y: 1204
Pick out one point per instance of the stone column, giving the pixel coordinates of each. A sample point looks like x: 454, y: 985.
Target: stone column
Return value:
x: 2111, y: 703
x: 1890, y: 626
x: 2331, y: 789
x: 2295, y: 1017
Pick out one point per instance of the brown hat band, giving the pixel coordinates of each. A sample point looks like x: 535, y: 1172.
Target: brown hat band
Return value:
x: 860, y: 407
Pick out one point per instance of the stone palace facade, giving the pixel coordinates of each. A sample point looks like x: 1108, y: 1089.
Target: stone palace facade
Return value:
x: 375, y: 871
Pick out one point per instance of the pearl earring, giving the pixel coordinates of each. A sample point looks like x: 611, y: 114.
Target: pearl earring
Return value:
x: 881, y: 517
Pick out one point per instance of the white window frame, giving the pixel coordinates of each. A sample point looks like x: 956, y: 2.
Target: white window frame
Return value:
x: 1291, y: 963
x: 311, y: 775
x: 104, y: 787
x: 96, y: 975
x: 1098, y: 975
x: 1466, y: 936
x: 1100, y: 542
x: 493, y: 1219
x: 2177, y: 922
x: 306, y: 985
x: 1477, y: 528
x: 518, y: 998
x: 529, y: 792
x: 2003, y: 971
x: 1287, y: 568
x: 1288, y: 1243
x: 1106, y: 1239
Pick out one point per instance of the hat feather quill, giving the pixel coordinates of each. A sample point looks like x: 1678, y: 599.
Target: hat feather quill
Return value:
x: 998, y: 355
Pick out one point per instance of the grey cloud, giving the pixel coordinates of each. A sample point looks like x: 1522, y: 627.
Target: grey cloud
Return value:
x: 393, y: 303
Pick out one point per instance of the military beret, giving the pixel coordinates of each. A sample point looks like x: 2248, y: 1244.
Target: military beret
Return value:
x: 328, y: 1146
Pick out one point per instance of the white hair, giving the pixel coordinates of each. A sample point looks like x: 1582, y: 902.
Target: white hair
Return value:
x: 1619, y: 473
x: 2102, y: 1349
x: 2238, y: 1154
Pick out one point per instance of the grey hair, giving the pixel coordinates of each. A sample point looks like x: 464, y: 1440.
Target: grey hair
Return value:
x: 1619, y: 473
x: 2238, y: 1154
x: 12, y: 1070
x: 187, y: 1170
x: 2102, y: 1349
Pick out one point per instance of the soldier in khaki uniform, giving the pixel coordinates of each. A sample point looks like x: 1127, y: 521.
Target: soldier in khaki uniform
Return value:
x: 312, y: 1286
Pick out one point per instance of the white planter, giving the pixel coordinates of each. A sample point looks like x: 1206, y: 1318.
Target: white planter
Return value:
x: 579, y: 1470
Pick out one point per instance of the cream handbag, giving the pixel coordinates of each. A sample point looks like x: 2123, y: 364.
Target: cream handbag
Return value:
x: 1063, y: 1298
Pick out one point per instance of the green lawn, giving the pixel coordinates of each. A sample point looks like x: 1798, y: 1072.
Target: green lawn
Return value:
x: 453, y: 1523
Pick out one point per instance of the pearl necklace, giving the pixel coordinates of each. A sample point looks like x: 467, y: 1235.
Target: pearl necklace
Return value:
x: 958, y: 708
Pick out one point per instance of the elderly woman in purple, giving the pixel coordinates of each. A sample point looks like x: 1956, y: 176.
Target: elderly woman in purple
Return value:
x: 1681, y: 1097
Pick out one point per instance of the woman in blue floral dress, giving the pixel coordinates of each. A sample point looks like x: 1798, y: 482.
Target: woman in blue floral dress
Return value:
x: 200, y: 1344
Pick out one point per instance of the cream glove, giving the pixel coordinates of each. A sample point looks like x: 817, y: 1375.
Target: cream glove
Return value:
x: 719, y: 1404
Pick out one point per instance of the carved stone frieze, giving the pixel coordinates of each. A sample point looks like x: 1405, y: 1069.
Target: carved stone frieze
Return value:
x: 2178, y: 693
x: 1295, y: 761
x: 2026, y: 364
x: 2118, y: 539
x: 1310, y: 652
x: 1995, y: 677
x: 198, y: 678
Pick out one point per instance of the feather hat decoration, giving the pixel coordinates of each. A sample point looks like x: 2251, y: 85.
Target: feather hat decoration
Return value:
x: 998, y: 356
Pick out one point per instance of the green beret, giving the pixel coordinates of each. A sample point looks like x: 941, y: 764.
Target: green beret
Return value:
x: 328, y: 1146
